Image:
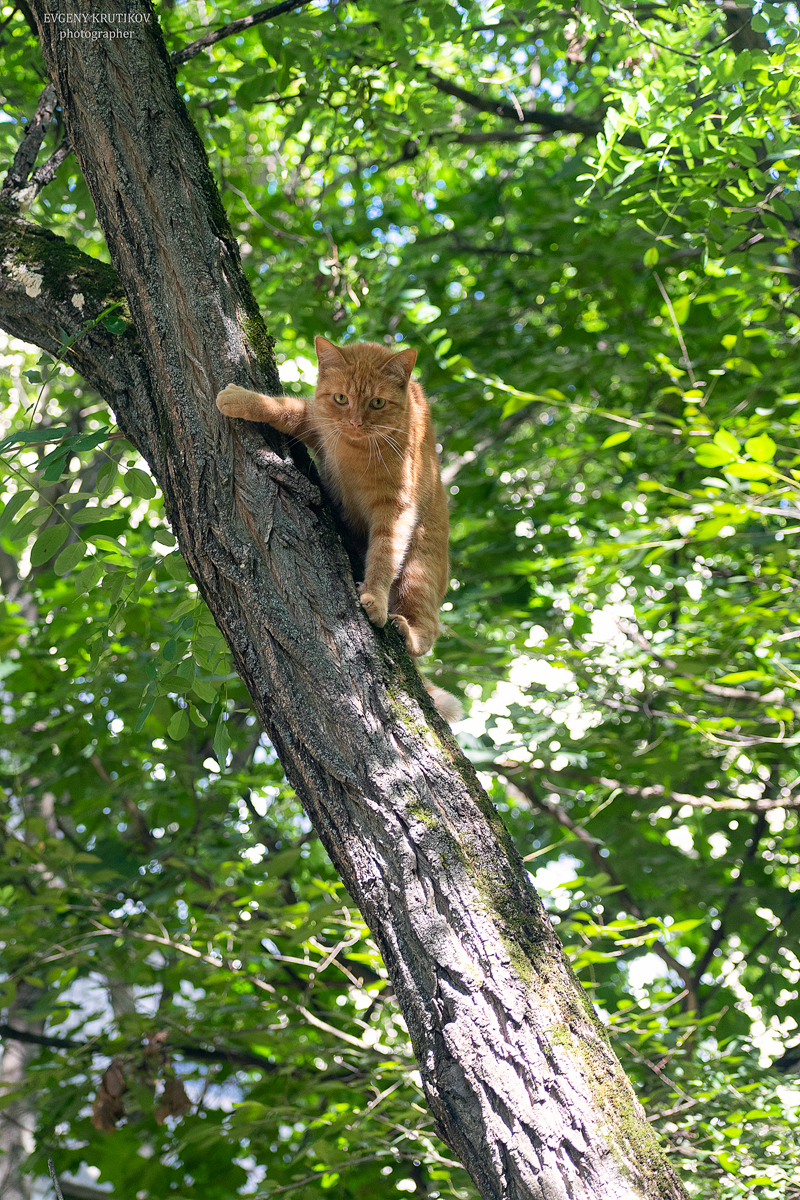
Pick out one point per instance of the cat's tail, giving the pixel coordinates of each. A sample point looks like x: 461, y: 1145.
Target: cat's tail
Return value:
x: 447, y: 705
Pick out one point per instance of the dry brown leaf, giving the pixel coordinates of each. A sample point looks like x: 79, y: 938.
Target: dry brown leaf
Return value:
x: 108, y: 1107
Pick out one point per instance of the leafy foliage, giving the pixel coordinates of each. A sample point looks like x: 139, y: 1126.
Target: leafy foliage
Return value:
x: 587, y: 223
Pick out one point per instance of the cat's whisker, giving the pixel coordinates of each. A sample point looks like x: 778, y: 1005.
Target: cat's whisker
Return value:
x: 380, y: 456
x: 391, y: 442
x: 369, y: 460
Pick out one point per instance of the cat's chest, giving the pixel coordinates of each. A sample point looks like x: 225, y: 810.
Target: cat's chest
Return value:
x: 355, y: 499
x: 361, y: 482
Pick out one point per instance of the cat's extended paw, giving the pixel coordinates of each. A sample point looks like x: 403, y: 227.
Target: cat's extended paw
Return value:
x: 234, y: 401
x: 404, y: 629
x: 377, y: 607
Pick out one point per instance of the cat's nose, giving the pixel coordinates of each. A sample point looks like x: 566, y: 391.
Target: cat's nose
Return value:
x: 355, y: 422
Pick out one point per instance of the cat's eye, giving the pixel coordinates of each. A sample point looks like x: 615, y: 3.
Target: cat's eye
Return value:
x: 377, y: 402
x: 340, y: 399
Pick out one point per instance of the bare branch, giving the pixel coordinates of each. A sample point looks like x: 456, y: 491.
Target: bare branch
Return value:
x: 98, y: 1046
x: 14, y: 191
x: 46, y: 173
x: 726, y: 803
x: 552, y: 121
x: 216, y: 35
x: 774, y: 696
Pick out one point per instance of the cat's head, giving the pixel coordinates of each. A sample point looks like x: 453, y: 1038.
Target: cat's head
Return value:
x: 363, y: 387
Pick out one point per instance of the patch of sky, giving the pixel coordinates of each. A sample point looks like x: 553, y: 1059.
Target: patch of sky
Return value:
x: 92, y: 1008
x: 643, y: 972
x: 549, y: 880
x: 222, y: 1097
x: 294, y: 370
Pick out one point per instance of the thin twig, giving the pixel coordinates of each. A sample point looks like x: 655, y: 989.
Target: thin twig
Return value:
x: 54, y: 1178
x: 676, y: 327
x: 295, y: 237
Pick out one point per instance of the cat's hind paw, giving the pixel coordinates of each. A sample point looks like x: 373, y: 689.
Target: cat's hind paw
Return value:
x: 404, y: 629
x: 377, y: 607
x: 234, y: 401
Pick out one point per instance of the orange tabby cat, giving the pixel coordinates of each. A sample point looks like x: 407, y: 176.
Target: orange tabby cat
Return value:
x: 369, y: 426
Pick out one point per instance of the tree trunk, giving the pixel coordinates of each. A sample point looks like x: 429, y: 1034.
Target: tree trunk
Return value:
x: 516, y: 1068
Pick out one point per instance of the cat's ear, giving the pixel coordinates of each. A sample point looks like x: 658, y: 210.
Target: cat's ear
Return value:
x: 401, y: 365
x: 328, y: 355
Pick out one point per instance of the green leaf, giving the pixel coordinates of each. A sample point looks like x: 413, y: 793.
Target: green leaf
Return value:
x: 69, y: 558
x: 704, y: 531
x: 29, y: 521
x: 176, y: 568
x: 184, y: 607
x: 179, y: 725
x: 616, y: 439
x: 105, y: 477
x: 144, y: 713
x: 170, y: 651
x: 743, y: 365
x: 712, y: 456
x: 222, y: 740
x: 90, y: 440
x: 651, y: 256
x: 103, y: 542
x: 205, y: 690
x: 114, y: 588
x: 91, y: 516
x: 115, y: 325
x: 30, y: 437
x: 47, y: 543
x: 86, y: 579
x: 747, y: 470
x: 56, y: 466
x: 743, y: 677
x: 13, y: 506
x: 139, y: 484
x: 761, y: 448
x: 726, y: 441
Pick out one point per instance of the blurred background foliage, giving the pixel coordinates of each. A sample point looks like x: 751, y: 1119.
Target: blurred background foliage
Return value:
x: 586, y: 221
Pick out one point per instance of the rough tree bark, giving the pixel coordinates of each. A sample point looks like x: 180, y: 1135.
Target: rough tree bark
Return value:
x: 518, y: 1072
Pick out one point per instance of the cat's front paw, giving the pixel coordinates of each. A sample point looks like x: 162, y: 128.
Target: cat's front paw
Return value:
x: 234, y: 401
x: 377, y: 607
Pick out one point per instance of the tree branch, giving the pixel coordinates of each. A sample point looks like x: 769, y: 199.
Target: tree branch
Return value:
x: 775, y: 696
x: 729, y: 803
x: 591, y: 845
x: 721, y: 932
x: 48, y: 287
x: 178, y: 57
x: 29, y: 147
x: 551, y: 121
x: 104, y: 1048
